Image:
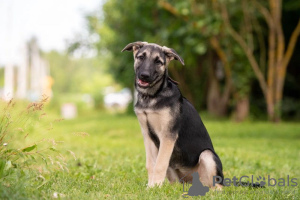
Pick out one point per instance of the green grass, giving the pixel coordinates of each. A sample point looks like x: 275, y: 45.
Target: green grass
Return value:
x: 111, y: 161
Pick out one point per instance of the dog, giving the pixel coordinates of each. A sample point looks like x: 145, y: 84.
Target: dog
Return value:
x: 175, y: 138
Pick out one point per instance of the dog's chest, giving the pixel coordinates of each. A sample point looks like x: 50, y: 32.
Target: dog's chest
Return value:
x: 156, y: 121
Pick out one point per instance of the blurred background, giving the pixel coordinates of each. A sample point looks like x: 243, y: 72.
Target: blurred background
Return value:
x: 242, y: 64
x: 242, y: 57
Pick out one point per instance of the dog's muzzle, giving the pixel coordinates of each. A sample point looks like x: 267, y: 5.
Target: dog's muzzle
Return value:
x: 142, y: 83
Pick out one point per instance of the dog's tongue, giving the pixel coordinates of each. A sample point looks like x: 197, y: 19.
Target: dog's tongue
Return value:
x: 142, y: 83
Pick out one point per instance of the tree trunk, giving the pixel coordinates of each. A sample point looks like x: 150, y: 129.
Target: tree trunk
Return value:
x: 278, y: 95
x: 241, y: 108
x: 270, y: 105
x: 216, y: 105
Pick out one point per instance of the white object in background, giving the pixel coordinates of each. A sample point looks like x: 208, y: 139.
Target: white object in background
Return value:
x: 8, y: 82
x: 118, y: 99
x: 35, y: 83
x: 68, y: 111
x: 22, y: 74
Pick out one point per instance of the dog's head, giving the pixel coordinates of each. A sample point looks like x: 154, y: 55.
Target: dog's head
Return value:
x: 150, y: 62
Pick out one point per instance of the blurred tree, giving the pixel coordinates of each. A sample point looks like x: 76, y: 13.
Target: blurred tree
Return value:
x: 77, y: 75
x: 229, y: 71
x: 246, y: 29
x: 224, y: 44
x: 291, y: 95
x: 175, y: 26
x: 118, y: 25
x: 278, y: 55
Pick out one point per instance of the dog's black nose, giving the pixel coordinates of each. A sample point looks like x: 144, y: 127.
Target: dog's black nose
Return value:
x: 145, y: 75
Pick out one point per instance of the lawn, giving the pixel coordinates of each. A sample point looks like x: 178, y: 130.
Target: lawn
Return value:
x: 110, y: 161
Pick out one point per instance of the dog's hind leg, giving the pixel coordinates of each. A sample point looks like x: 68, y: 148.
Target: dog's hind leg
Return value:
x: 172, y: 175
x: 208, y: 169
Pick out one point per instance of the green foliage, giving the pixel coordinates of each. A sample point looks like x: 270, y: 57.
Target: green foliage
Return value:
x: 118, y: 29
x: 149, y: 22
x: 186, y: 26
x: 74, y: 77
x: 242, y: 74
x: 77, y: 75
x: 18, y: 153
x: 289, y: 5
x: 119, y: 25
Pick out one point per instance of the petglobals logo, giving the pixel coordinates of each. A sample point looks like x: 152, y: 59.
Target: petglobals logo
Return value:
x: 198, y: 189
x: 259, y: 182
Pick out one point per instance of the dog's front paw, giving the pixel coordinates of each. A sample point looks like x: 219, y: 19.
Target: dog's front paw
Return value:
x: 155, y: 184
x: 150, y: 185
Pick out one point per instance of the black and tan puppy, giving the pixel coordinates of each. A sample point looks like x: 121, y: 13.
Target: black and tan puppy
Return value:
x: 176, y: 141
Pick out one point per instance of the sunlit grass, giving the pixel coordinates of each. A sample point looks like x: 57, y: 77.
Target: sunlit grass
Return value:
x: 111, y: 160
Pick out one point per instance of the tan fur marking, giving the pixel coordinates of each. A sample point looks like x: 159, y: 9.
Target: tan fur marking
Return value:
x: 172, y: 175
x: 162, y: 162
x: 135, y: 50
x: 151, y: 155
x: 207, y: 168
x: 150, y: 148
x: 159, y: 121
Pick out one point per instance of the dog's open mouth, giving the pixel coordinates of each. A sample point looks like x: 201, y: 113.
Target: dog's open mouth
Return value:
x: 143, y: 83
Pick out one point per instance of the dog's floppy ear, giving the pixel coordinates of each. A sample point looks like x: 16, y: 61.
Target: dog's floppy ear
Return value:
x: 172, y: 54
x: 134, y: 46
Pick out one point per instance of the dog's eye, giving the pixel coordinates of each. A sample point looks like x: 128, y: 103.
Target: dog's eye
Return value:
x: 158, y: 62
x: 141, y: 57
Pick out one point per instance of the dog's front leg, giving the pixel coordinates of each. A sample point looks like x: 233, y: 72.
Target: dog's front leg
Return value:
x: 162, y: 161
x: 151, y: 154
x: 150, y: 148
